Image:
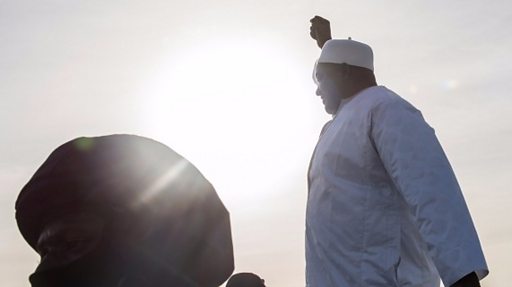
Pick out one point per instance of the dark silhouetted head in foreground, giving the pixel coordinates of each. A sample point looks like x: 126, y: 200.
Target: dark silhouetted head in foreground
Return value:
x: 245, y: 279
x: 123, y: 210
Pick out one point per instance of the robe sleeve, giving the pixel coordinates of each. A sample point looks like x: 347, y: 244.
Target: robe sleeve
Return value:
x: 416, y: 163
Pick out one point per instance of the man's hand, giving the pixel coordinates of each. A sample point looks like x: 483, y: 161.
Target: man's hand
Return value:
x: 320, y: 30
x: 470, y: 280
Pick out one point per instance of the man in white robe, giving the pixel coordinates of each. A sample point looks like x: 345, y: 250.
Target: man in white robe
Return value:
x: 384, y: 207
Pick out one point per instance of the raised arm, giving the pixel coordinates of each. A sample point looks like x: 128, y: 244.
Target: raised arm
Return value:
x: 320, y: 30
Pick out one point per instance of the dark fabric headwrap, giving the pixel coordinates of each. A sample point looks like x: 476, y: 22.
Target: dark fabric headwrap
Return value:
x: 160, y: 203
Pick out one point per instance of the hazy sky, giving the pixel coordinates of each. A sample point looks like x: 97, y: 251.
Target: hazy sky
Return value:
x: 227, y: 84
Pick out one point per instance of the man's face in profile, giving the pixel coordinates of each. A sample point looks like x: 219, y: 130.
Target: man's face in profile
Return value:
x: 328, y: 90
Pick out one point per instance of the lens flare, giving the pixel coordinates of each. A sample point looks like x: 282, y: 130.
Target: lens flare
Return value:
x: 164, y: 181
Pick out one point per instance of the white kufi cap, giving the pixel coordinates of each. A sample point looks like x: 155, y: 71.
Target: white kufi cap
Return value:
x: 347, y: 51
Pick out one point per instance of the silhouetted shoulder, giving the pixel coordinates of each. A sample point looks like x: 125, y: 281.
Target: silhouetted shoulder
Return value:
x: 382, y: 99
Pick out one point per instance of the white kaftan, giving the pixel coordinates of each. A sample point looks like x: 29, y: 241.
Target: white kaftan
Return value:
x: 384, y: 207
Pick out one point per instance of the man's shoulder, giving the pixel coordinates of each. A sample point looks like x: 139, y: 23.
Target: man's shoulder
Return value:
x: 380, y: 97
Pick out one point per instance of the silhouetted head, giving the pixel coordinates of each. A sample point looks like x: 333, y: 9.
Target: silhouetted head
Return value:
x: 245, y: 279
x: 345, y: 67
x: 124, y: 210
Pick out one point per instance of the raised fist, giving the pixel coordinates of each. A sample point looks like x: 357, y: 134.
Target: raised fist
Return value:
x: 320, y: 30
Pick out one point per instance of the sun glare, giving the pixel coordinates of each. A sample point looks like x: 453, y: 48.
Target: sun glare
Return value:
x: 165, y: 180
x: 224, y: 107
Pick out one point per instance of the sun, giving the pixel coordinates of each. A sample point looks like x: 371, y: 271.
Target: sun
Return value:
x: 227, y: 106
